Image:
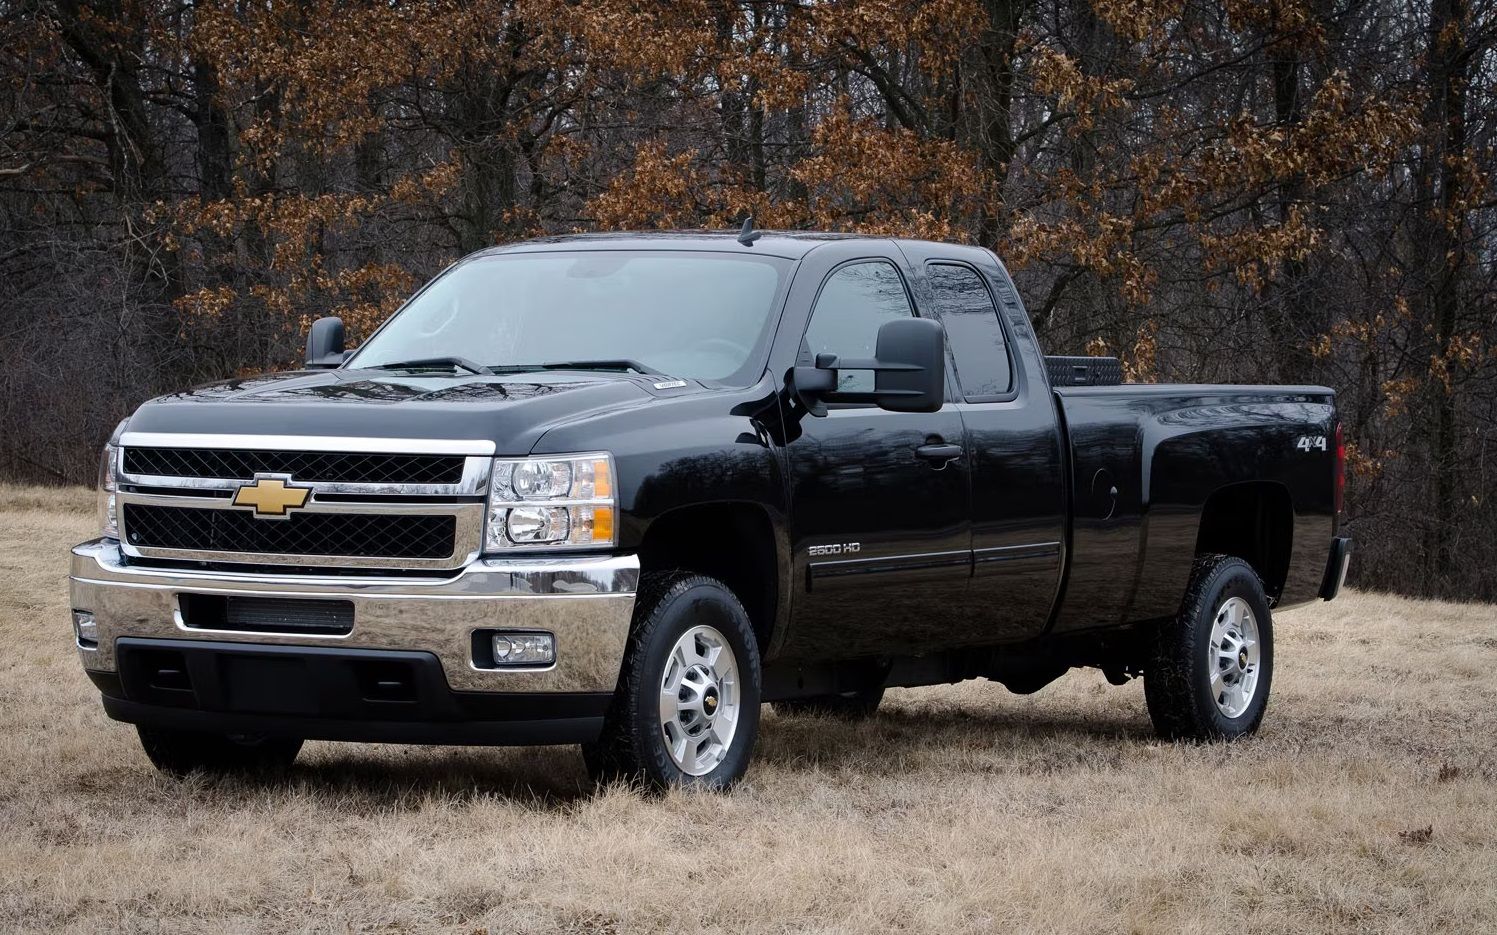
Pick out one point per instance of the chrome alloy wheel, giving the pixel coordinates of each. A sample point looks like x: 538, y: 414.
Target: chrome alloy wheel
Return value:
x: 699, y: 701
x: 1234, y: 657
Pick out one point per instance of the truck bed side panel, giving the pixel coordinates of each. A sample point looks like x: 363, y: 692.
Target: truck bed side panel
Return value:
x: 1166, y: 450
x: 1105, y: 531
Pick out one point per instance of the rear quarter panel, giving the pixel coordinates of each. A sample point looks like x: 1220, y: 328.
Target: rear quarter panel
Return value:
x: 1167, y: 449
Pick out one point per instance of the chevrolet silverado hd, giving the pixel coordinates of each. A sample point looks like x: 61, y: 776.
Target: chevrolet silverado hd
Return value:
x: 620, y: 490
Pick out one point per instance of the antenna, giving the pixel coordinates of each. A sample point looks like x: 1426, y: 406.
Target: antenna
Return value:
x: 747, y: 235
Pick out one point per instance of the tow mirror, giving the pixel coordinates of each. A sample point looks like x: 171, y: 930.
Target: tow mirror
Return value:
x: 909, y: 371
x: 325, y: 343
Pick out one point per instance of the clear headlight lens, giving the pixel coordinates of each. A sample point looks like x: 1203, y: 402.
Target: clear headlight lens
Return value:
x: 537, y: 524
x: 557, y: 502
x: 541, y: 480
x: 109, y: 523
x: 108, y: 484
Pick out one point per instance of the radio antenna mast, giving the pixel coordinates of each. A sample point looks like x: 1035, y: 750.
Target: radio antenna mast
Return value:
x: 747, y: 235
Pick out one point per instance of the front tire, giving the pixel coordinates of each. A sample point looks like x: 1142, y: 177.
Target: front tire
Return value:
x: 1211, y: 668
x: 686, y: 711
x: 179, y: 752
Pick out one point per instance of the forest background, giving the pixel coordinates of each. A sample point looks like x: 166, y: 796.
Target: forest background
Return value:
x: 1293, y: 191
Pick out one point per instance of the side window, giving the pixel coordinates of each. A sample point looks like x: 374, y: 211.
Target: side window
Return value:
x: 855, y: 300
x: 972, y: 329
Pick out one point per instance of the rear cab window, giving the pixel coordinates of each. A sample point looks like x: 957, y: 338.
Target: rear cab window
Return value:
x: 965, y: 307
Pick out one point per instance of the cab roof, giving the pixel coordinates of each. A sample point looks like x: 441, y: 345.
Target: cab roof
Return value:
x: 787, y: 244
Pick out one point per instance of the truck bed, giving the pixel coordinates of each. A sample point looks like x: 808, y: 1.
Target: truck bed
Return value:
x: 1147, y: 464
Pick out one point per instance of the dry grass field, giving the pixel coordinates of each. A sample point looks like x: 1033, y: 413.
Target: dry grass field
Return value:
x: 1367, y: 804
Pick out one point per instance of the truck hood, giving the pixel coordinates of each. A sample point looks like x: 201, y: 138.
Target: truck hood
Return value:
x: 512, y: 411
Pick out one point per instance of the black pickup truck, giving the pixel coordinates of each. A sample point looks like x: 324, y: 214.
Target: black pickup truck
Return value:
x: 619, y: 490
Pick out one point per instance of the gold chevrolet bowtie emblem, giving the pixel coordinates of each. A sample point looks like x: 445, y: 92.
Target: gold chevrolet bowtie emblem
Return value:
x: 271, y: 496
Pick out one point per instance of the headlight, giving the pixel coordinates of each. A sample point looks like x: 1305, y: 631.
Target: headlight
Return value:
x: 109, y: 523
x: 555, y: 502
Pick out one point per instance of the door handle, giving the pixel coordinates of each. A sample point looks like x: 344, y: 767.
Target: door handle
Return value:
x: 939, y: 453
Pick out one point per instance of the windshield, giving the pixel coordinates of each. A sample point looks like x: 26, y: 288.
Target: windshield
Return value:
x: 695, y: 315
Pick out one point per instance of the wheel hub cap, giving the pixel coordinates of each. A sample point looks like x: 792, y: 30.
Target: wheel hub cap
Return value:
x: 1233, y: 657
x: 699, y: 703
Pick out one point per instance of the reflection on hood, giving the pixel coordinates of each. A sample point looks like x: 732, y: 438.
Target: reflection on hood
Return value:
x: 383, y: 388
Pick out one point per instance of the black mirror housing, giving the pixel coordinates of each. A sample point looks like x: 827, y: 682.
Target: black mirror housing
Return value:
x: 325, y: 343
x: 909, y: 371
x: 916, y: 347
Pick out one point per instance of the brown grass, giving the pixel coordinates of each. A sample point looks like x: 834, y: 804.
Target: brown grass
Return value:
x: 1365, y: 805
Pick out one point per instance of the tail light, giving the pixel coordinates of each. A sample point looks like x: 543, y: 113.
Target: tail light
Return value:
x: 1340, y: 468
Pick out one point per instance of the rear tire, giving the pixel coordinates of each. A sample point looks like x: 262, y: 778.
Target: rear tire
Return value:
x: 686, y: 711
x: 179, y: 752
x: 1210, y: 669
x: 853, y: 705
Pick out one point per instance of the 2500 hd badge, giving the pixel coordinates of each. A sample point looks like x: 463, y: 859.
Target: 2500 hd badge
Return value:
x: 621, y: 490
x: 840, y: 548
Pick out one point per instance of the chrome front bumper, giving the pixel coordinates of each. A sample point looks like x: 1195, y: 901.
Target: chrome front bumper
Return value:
x: 586, y: 602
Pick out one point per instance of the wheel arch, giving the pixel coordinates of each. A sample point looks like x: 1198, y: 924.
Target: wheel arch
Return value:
x: 734, y: 541
x: 1254, y: 521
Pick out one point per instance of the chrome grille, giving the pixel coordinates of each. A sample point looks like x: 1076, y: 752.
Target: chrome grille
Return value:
x: 371, y: 504
x: 355, y: 535
x: 333, y: 467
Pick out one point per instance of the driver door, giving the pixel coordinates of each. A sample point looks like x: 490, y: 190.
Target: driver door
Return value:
x: 879, y: 524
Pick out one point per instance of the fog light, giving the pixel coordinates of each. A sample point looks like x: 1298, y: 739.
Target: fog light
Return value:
x: 524, y: 649
x: 85, y: 630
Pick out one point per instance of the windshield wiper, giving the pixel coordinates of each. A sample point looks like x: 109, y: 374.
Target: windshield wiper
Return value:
x: 472, y: 367
x: 616, y: 364
x: 431, y: 363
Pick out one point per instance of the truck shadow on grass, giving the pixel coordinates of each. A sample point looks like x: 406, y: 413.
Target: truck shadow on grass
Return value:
x: 906, y: 741
x: 892, y: 743
x: 540, y: 778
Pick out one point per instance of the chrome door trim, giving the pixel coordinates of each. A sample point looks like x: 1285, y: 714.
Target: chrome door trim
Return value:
x: 893, y: 569
x: 1009, y: 553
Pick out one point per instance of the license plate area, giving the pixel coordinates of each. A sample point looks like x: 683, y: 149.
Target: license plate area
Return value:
x: 333, y: 682
x: 267, y: 685
x: 289, y: 616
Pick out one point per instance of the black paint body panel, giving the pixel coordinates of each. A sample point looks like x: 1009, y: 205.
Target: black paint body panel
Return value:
x: 511, y: 411
x: 1167, y: 449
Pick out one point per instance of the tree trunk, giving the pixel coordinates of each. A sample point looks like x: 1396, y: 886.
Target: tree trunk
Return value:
x: 1294, y: 317
x: 993, y: 75
x: 1449, y: 60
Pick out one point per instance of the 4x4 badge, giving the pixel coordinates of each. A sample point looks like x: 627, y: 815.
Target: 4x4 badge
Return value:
x: 271, y: 496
